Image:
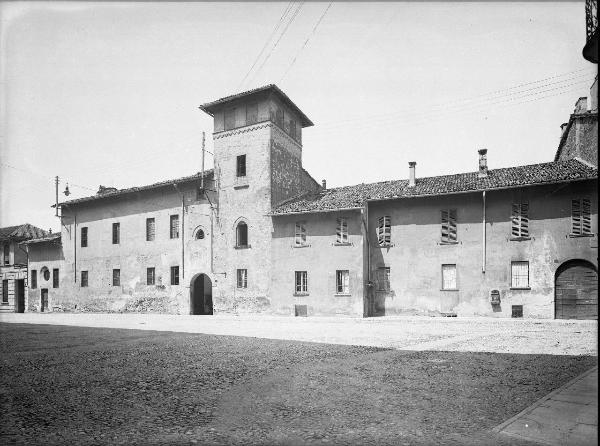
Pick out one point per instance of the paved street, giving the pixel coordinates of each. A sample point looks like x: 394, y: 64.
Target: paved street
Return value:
x: 81, y: 385
x: 502, y: 335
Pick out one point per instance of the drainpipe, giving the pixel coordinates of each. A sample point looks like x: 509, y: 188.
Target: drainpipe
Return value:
x: 365, y: 222
x: 484, y: 237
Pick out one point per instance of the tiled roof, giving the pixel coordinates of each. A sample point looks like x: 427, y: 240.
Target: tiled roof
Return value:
x: 354, y: 196
x: 21, y: 232
x: 120, y: 192
x: 210, y: 106
x: 55, y: 237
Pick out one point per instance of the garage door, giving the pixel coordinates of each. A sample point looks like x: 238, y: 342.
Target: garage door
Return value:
x: 576, y: 291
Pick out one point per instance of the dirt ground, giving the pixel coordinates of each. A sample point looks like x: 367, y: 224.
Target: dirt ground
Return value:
x: 78, y: 385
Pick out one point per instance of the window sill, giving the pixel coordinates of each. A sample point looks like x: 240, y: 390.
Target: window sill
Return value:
x: 520, y: 288
x: 243, y: 247
x: 448, y: 243
x: 343, y: 294
x: 308, y: 245
x: 386, y: 245
x: 581, y: 235
x: 382, y: 291
x: 342, y: 244
x: 4, y: 303
x: 301, y: 294
x: 241, y: 288
x: 519, y: 239
x: 449, y: 289
x: 241, y: 186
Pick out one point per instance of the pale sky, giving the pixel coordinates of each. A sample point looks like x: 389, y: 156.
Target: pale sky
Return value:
x: 108, y: 93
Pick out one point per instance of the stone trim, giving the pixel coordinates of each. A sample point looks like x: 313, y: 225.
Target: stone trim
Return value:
x: 242, y: 130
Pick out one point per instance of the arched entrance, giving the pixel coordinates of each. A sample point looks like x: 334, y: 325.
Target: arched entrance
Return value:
x: 201, y: 295
x: 576, y: 290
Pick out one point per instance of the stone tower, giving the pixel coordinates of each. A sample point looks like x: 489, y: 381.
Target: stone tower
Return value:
x: 258, y: 163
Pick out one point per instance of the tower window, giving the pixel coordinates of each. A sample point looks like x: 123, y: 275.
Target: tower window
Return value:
x: 230, y: 119
x: 241, y: 235
x: 199, y: 234
x: 241, y: 166
x: 252, y: 114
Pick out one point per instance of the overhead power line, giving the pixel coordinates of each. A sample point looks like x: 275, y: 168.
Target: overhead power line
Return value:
x: 46, y: 177
x: 290, y: 21
x: 285, y: 13
x: 306, y: 41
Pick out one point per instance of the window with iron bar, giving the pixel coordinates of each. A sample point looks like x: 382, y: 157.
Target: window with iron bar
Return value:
x: 150, y: 276
x: 242, y: 278
x: 301, y: 282
x: 519, y: 274
x: 342, y: 281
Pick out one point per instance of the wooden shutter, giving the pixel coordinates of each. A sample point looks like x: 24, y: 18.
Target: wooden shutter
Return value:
x: 586, y: 224
x: 576, y: 217
x: 520, y: 220
x: 449, y: 234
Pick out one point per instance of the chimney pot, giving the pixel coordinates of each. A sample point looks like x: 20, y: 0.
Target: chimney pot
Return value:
x: 412, y: 181
x: 324, y: 184
x: 483, y: 169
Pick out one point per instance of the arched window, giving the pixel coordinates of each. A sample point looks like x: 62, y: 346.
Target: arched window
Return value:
x: 241, y: 235
x: 199, y: 234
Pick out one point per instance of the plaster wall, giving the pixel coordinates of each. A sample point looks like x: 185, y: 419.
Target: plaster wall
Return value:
x: 320, y: 259
x: 417, y: 255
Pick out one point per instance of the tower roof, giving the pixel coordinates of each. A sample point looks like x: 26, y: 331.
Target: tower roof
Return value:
x: 211, y: 107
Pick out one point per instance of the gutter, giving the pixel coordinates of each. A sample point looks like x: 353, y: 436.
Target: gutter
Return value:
x: 316, y: 210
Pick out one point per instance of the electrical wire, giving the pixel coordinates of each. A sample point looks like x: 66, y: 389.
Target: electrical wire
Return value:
x: 306, y: 41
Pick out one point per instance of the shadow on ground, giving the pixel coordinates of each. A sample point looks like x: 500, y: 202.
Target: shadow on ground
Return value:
x: 72, y: 385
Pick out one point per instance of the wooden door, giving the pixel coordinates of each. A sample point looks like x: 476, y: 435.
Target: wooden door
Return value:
x: 20, y: 296
x: 576, y: 291
x: 44, y: 303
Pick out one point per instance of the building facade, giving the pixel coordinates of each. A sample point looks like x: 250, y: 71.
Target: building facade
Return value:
x: 13, y: 269
x: 259, y: 234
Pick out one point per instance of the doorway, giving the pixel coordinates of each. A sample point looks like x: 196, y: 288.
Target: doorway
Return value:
x: 576, y: 291
x: 20, y: 291
x: 201, y: 295
x: 44, y: 301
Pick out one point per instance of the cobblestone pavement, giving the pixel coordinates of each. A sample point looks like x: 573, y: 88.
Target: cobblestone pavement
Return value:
x: 77, y: 385
x: 502, y: 335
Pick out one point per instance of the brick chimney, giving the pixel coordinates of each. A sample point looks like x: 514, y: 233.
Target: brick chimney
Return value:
x: 324, y: 184
x: 411, y: 173
x: 483, y: 168
x: 581, y: 106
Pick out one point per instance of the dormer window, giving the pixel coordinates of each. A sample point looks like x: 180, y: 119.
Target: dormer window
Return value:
x: 241, y: 166
x: 230, y: 119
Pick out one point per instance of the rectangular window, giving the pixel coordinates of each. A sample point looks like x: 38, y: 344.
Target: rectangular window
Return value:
x: 581, y: 223
x: 341, y: 232
x: 449, y: 277
x: 241, y: 166
x: 520, y: 220
x: 116, y: 277
x: 251, y: 114
x: 6, y: 254
x: 33, y: 279
x: 300, y: 234
x: 5, y: 291
x: 384, y: 231
x: 519, y: 274
x: 242, y: 278
x: 230, y: 119
x: 84, y: 237
x: 174, y: 226
x: 150, y: 229
x: 383, y: 278
x: 116, y: 233
x: 301, y: 282
x: 55, y: 278
x: 150, y: 276
x: 342, y: 281
x: 174, y: 275
x: 449, y: 226
x: 84, y: 279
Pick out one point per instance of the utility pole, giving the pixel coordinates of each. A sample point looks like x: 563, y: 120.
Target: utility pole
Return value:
x: 203, y: 151
x: 56, y: 187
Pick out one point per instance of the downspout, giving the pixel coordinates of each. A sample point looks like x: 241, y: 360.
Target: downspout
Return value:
x: 75, y: 247
x: 484, y: 236
x: 365, y: 221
